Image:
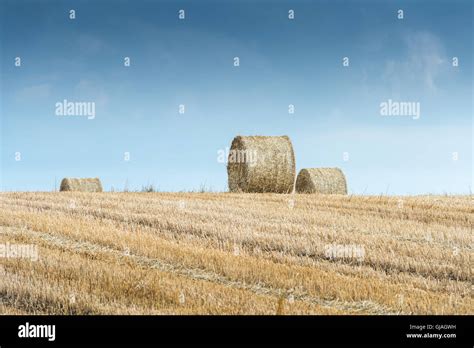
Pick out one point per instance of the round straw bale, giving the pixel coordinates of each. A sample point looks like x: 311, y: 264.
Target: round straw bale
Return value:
x: 261, y: 164
x: 321, y: 180
x: 81, y: 184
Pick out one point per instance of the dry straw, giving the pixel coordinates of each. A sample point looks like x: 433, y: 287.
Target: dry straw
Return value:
x: 261, y: 164
x: 321, y: 180
x: 83, y: 185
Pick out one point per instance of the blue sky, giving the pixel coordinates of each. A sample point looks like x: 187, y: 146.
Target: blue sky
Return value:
x: 282, y: 62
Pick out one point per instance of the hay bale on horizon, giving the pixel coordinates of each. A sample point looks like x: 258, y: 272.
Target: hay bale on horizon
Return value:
x: 321, y: 180
x: 81, y: 185
x: 261, y: 164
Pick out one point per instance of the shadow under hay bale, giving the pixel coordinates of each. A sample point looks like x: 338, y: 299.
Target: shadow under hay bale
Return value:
x: 81, y: 185
x: 321, y: 180
x: 261, y: 164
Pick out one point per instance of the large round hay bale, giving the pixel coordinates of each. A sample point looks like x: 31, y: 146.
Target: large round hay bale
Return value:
x: 81, y: 184
x: 321, y: 180
x: 261, y: 164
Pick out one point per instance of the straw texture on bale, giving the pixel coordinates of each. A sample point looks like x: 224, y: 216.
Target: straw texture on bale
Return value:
x: 82, y: 185
x: 321, y: 180
x: 261, y: 164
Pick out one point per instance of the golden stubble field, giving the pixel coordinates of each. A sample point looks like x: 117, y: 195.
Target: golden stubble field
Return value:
x: 222, y: 253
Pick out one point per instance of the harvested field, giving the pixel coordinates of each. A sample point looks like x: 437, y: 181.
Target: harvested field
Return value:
x: 223, y: 253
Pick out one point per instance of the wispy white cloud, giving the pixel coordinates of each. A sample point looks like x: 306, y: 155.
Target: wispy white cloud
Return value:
x: 87, y: 89
x: 90, y: 44
x: 421, y: 67
x: 34, y: 92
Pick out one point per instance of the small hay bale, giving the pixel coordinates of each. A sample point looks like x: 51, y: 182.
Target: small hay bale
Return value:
x: 261, y: 164
x: 81, y: 185
x: 321, y: 180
